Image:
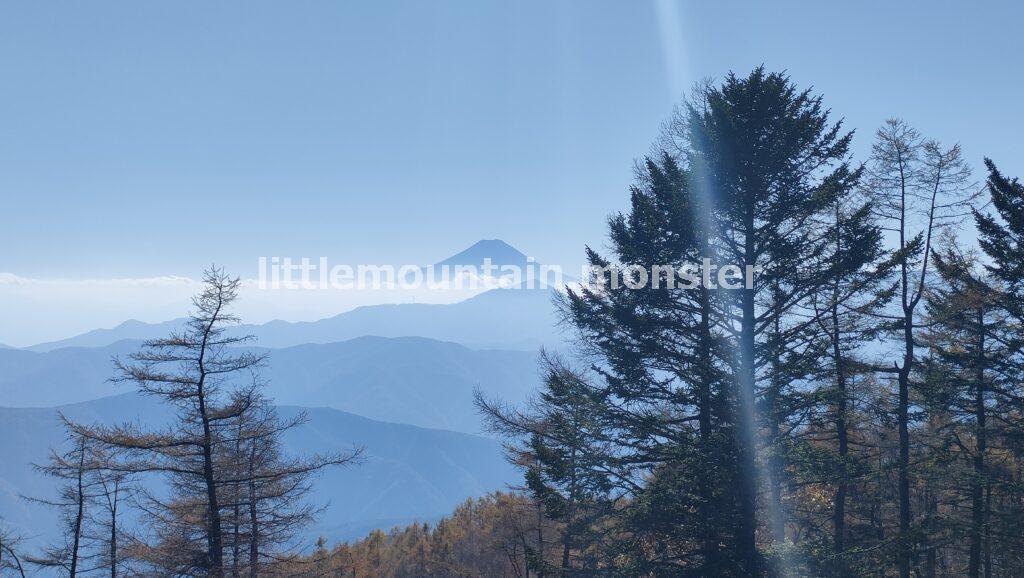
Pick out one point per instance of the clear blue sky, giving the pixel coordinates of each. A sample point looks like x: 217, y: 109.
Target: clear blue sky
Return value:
x: 151, y: 138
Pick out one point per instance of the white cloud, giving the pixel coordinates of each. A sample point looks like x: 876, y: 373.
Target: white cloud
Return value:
x: 175, y: 280
x: 37, y: 310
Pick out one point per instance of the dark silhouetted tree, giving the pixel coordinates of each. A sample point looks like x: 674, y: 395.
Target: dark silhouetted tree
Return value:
x: 212, y: 382
x: 918, y: 189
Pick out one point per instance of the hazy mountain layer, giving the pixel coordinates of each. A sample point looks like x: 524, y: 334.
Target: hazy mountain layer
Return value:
x: 408, y: 380
x: 410, y: 473
x: 500, y: 318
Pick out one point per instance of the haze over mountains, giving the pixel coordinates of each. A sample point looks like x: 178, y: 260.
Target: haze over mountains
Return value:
x: 499, y: 318
x: 397, y: 378
x: 409, y: 473
x: 510, y: 318
x: 410, y: 380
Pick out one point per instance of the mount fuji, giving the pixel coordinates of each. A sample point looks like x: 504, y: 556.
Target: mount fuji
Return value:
x: 503, y: 318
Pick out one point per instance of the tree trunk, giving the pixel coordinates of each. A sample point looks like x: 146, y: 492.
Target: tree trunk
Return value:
x: 236, y: 522
x: 776, y: 515
x: 236, y: 545
x: 978, y: 480
x: 903, y: 545
x: 540, y: 542
x: 76, y: 539
x: 930, y: 550
x: 746, y: 532
x: 839, y: 511
x: 213, y: 533
x: 214, y: 537
x: 570, y: 523
x: 711, y: 540
x: 113, y: 536
x: 988, y: 530
x: 254, y: 531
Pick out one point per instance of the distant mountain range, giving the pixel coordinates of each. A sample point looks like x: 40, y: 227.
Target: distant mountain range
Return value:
x: 498, y: 319
x: 410, y: 380
x: 410, y: 473
x: 396, y: 378
x: 129, y: 330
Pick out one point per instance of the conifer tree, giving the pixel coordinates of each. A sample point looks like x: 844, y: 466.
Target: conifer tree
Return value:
x: 10, y: 555
x: 269, y: 488
x: 188, y: 370
x: 212, y: 382
x: 919, y: 190
x: 772, y: 161
x: 857, y: 287
x: 968, y: 340
x: 1001, y: 237
x: 75, y: 494
x: 668, y: 407
x: 559, y: 442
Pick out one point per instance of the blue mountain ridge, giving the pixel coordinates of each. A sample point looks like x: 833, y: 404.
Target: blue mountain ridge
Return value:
x: 410, y: 380
x: 496, y: 319
x: 409, y: 474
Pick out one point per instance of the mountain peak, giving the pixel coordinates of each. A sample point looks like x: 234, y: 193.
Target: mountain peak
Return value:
x: 500, y: 253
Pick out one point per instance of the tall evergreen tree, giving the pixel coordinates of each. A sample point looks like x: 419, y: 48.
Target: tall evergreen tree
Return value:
x: 772, y: 161
x: 560, y: 443
x: 969, y: 336
x: 856, y: 289
x: 695, y: 373
x: 653, y: 334
x: 1001, y: 237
